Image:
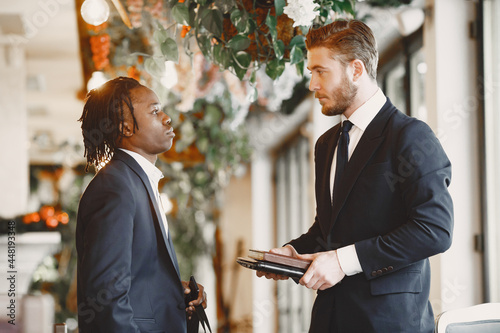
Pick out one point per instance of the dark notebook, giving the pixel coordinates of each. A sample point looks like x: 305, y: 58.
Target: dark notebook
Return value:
x: 275, y: 263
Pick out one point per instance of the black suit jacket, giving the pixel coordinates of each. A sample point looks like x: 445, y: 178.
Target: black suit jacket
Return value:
x: 128, y: 276
x: 395, y: 207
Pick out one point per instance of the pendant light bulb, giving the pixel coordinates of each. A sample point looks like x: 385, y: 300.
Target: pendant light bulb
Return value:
x: 95, y: 12
x: 96, y: 80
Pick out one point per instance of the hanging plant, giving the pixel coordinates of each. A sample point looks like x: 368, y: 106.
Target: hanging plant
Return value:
x: 244, y: 35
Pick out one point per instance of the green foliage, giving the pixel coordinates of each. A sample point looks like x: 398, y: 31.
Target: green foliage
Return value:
x: 226, y: 149
x: 169, y: 50
x: 208, y: 19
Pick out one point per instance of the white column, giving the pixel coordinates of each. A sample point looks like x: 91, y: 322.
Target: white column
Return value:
x: 263, y: 238
x: 13, y: 129
x: 452, y: 103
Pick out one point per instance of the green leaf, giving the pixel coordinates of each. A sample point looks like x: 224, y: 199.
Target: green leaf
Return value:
x: 296, y: 55
x: 251, y: 26
x: 239, y: 43
x: 160, y: 35
x: 279, y: 49
x: 216, y: 53
x: 170, y: 50
x: 253, y: 78
x: 299, y: 41
x: 241, y: 62
x: 225, y: 5
x: 279, y: 5
x: 275, y: 68
x: 225, y: 58
x: 240, y: 72
x: 347, y: 6
x: 323, y: 12
x: 212, y: 20
x: 238, y: 20
x: 300, y: 68
x: 155, y: 66
x: 204, y: 44
x: 180, y: 12
x: 271, y: 24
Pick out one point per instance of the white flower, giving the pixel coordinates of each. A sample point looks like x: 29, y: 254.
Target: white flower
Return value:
x: 302, y: 12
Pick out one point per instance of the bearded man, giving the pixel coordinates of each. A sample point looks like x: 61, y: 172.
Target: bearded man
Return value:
x: 383, y: 206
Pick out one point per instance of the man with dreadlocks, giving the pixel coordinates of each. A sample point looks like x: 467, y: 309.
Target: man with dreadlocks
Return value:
x: 128, y: 275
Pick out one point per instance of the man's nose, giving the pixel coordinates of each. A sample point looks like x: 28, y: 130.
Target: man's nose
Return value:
x: 166, y: 120
x: 313, y: 85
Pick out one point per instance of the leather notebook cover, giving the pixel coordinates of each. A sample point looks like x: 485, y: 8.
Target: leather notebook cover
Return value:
x: 279, y: 259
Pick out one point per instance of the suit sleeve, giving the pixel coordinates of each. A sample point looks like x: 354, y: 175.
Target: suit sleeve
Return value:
x: 421, y: 176
x: 108, y: 216
x: 312, y: 240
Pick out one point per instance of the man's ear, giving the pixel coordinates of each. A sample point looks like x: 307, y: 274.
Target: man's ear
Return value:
x: 357, y: 69
x: 126, y: 129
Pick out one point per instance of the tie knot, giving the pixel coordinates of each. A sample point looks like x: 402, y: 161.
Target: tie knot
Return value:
x: 346, y: 126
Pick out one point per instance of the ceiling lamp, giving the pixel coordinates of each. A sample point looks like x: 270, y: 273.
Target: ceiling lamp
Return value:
x: 97, y: 80
x: 409, y: 20
x: 95, y: 12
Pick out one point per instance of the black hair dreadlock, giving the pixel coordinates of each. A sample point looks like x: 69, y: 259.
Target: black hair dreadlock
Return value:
x: 102, y: 119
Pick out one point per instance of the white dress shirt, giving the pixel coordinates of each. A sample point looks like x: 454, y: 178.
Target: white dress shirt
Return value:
x: 361, y: 118
x: 154, y: 175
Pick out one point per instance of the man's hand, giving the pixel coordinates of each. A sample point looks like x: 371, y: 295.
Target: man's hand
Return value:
x: 201, y: 300
x: 324, y: 272
x: 287, y: 250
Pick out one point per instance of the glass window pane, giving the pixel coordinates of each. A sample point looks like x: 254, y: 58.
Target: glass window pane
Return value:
x: 395, y: 87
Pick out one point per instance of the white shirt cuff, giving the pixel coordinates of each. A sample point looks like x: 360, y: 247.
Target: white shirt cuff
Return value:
x: 348, y: 259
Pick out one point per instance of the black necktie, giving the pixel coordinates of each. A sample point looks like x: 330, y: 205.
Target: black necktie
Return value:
x: 342, y: 154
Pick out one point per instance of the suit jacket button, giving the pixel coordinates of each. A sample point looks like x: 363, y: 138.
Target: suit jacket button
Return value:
x: 384, y: 270
x: 390, y: 268
x: 374, y: 273
x: 379, y: 272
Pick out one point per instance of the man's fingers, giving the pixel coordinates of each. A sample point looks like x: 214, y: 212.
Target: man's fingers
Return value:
x: 204, y: 304
x: 325, y: 286
x: 306, y: 278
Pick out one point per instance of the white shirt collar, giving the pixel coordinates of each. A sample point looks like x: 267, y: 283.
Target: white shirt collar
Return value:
x: 154, y: 174
x: 363, y: 115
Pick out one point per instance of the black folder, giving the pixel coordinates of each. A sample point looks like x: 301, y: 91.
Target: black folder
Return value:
x: 271, y: 267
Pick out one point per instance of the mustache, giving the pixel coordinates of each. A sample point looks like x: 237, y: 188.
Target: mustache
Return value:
x: 316, y: 95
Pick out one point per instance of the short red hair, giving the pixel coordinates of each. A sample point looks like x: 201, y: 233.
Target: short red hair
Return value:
x: 347, y: 41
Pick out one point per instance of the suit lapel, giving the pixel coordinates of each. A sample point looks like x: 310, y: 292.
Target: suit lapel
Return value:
x: 367, y: 145
x: 129, y: 160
